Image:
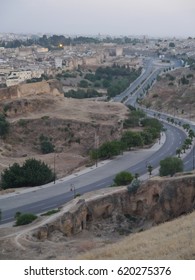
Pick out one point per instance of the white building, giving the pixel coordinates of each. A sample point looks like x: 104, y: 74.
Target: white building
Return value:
x: 17, y: 77
x: 58, y: 62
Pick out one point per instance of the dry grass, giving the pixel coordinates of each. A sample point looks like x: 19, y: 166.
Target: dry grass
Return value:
x: 177, y: 99
x: 70, y: 123
x: 171, y: 240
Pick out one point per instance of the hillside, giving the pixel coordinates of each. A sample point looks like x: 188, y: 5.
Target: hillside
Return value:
x: 155, y: 222
x: 40, y: 109
x: 174, y: 93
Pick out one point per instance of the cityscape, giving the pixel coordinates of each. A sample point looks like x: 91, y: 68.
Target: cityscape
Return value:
x: 97, y: 134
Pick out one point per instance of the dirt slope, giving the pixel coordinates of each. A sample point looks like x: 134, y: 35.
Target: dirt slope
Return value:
x: 70, y: 125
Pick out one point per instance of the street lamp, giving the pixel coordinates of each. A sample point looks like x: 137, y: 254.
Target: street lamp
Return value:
x: 73, y: 189
x: 96, y: 147
x: 54, y: 168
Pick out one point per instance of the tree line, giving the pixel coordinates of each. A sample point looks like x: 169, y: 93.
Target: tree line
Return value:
x: 115, y: 79
x: 151, y: 130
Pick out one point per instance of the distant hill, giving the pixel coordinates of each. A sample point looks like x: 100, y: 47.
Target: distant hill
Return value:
x: 174, y: 93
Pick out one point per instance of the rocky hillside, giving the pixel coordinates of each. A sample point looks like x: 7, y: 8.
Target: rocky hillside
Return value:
x: 69, y: 124
x: 150, y: 223
x: 174, y: 92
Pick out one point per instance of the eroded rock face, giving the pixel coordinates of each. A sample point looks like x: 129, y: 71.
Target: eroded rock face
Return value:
x: 156, y: 201
x: 23, y: 90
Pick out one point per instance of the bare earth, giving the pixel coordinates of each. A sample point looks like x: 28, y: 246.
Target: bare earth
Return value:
x: 70, y: 124
x: 103, y: 240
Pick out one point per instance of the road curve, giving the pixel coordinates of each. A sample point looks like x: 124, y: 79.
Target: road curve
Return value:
x: 42, y: 199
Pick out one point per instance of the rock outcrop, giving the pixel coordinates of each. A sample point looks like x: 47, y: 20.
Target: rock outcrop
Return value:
x: 23, y: 90
x: 157, y: 200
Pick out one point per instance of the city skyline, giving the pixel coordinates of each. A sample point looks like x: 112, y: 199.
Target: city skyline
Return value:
x: 163, y: 18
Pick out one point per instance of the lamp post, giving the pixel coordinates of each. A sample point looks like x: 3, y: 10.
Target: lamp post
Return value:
x: 54, y: 168
x: 73, y: 189
x: 96, y: 147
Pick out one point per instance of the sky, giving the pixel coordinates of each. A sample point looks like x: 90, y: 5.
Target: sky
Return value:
x: 162, y: 18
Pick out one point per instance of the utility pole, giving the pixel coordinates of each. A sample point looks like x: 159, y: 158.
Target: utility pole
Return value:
x: 96, y: 148
x: 54, y: 168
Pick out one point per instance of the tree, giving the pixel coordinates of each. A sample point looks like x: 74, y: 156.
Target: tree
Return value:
x: 46, y: 145
x: 83, y: 84
x: 36, y: 172
x: 191, y: 134
x: 4, y: 125
x: 183, y: 147
x: 31, y: 173
x: 171, y: 45
x: 170, y: 166
x: 132, y: 139
x: 186, y: 126
x: 123, y: 178
x: 188, y: 142
x: 150, y: 168
x: 110, y: 149
x: 178, y: 152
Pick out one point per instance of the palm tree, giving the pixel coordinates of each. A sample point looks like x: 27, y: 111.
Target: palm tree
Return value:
x: 150, y: 168
x: 178, y: 152
x: 191, y: 134
x: 188, y: 142
x: 184, y: 148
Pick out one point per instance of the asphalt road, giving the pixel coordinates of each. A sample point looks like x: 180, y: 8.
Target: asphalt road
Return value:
x: 41, y: 199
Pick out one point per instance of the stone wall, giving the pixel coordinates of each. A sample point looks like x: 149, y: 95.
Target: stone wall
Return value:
x: 156, y: 201
x: 24, y: 90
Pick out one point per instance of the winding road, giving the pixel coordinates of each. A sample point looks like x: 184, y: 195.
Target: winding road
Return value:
x: 50, y: 196
x: 43, y: 198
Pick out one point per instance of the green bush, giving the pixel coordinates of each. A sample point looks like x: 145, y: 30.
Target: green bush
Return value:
x: 46, y: 145
x: 132, y: 139
x: 170, y: 166
x: 50, y: 212
x: 25, y: 219
x: 123, y: 178
x: 83, y: 84
x: 108, y: 150
x: 133, y: 187
x: 22, y: 122
x: 4, y: 125
x: 31, y: 173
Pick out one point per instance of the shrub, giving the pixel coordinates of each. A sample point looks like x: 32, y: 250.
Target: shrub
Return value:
x: 4, y: 126
x: 46, y: 145
x: 31, y: 173
x: 132, y: 139
x: 170, y: 166
x: 83, y: 84
x: 108, y: 150
x: 25, y: 219
x: 135, y: 184
x: 123, y: 178
x: 22, y: 122
x: 50, y: 212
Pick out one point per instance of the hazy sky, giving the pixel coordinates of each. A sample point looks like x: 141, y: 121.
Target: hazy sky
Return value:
x: 115, y: 17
